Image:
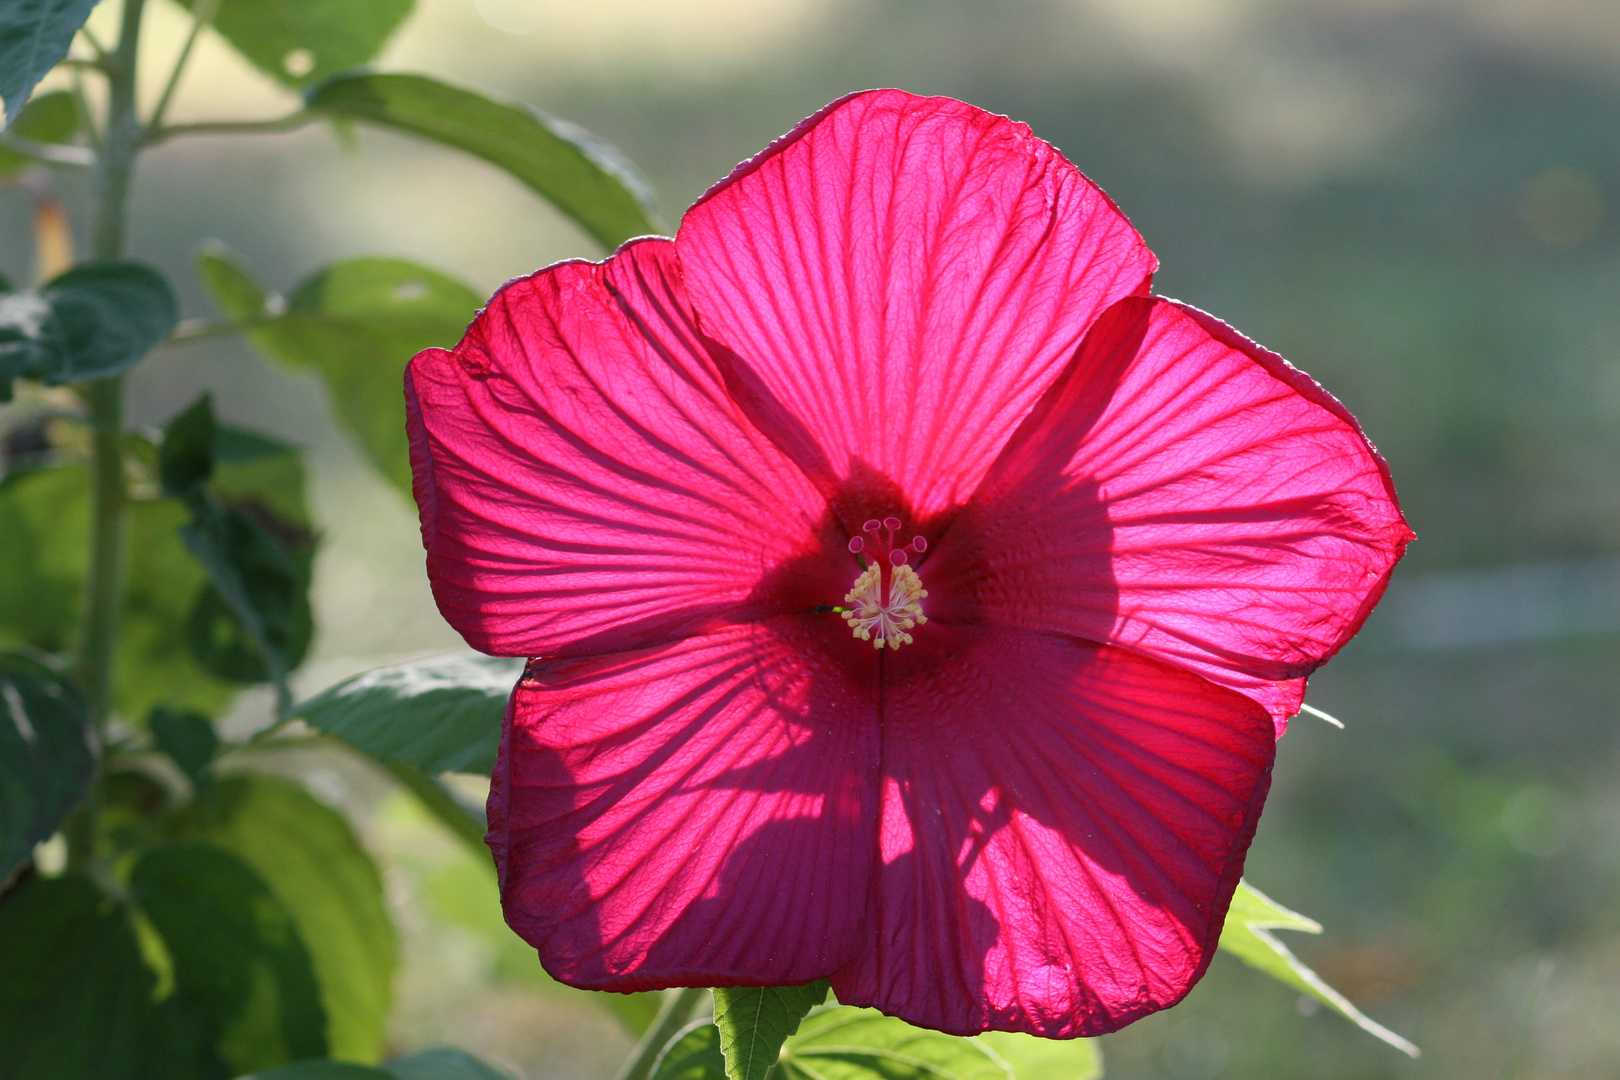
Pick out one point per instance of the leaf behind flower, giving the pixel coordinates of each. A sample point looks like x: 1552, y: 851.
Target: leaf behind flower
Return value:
x: 1247, y: 936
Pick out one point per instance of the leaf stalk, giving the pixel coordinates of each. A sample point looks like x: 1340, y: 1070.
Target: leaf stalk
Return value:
x: 290, y: 122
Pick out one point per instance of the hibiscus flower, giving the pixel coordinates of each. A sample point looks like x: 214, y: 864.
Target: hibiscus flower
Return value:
x: 912, y: 599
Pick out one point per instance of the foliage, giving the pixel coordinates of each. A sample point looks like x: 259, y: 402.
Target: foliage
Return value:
x: 47, y: 749
x: 582, y: 176
x: 49, y: 118
x: 754, y: 1022
x: 841, y: 1043
x: 34, y: 35
x: 93, y: 321
x: 1247, y: 936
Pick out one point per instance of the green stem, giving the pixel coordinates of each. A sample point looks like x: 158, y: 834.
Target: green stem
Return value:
x: 104, y: 398
x: 677, y: 1010
x: 202, y: 14
x: 90, y: 38
x: 204, y: 329
x: 232, y: 127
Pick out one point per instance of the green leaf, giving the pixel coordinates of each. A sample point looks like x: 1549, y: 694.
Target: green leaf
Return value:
x: 843, y: 1043
x: 49, y: 118
x: 252, y: 622
x: 254, y: 470
x: 439, y: 715
x: 44, y: 534
x: 442, y: 1063
x: 255, y: 623
x: 308, y: 855
x: 186, y: 456
x: 44, y: 531
x: 46, y: 756
x: 230, y: 282
x: 576, y: 172
x: 1247, y: 936
x: 358, y: 323
x: 95, y: 320
x: 44, y: 519
x: 236, y: 953
x: 693, y: 1054
x: 298, y: 41
x: 755, y: 1021
x: 34, y: 35
x: 1032, y: 1058
x: 77, y: 1000
x: 188, y: 738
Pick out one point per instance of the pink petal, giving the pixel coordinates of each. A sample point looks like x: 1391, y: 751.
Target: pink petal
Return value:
x: 899, y: 279
x: 699, y: 814
x: 586, y: 484
x: 1183, y: 492
x: 1063, y: 825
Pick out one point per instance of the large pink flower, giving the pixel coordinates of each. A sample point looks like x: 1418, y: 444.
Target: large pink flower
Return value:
x: 897, y: 382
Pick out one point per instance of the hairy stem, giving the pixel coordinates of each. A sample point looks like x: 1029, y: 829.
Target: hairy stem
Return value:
x: 677, y: 1010
x: 104, y: 398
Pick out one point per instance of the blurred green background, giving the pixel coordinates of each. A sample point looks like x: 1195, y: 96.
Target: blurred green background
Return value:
x: 1417, y: 201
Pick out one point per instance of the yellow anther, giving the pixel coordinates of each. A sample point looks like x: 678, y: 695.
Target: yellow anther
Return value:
x: 885, y: 623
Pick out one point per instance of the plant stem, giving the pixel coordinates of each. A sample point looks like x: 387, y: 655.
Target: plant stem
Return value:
x: 672, y: 1017
x: 104, y: 583
x: 202, y: 329
x: 232, y: 127
x: 76, y: 156
x: 202, y: 14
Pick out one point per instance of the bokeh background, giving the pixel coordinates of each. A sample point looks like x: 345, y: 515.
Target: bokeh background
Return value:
x: 1417, y: 201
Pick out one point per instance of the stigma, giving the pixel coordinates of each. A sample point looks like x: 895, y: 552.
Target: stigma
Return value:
x: 885, y: 603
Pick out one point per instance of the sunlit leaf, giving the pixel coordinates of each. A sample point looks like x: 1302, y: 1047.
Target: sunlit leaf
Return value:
x: 296, y: 41
x: 693, y: 1054
x: 358, y: 323
x: 95, y: 320
x: 308, y: 855
x: 77, y: 1001
x: 578, y: 173
x: 1247, y: 936
x: 47, y: 752
x: 843, y: 1043
x: 755, y: 1021
x: 34, y: 36
x: 1032, y: 1058
x: 230, y: 282
x: 439, y: 715
x: 49, y: 118
x: 236, y: 954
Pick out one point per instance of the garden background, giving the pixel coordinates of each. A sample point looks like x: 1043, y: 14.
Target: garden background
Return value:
x: 1416, y: 202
